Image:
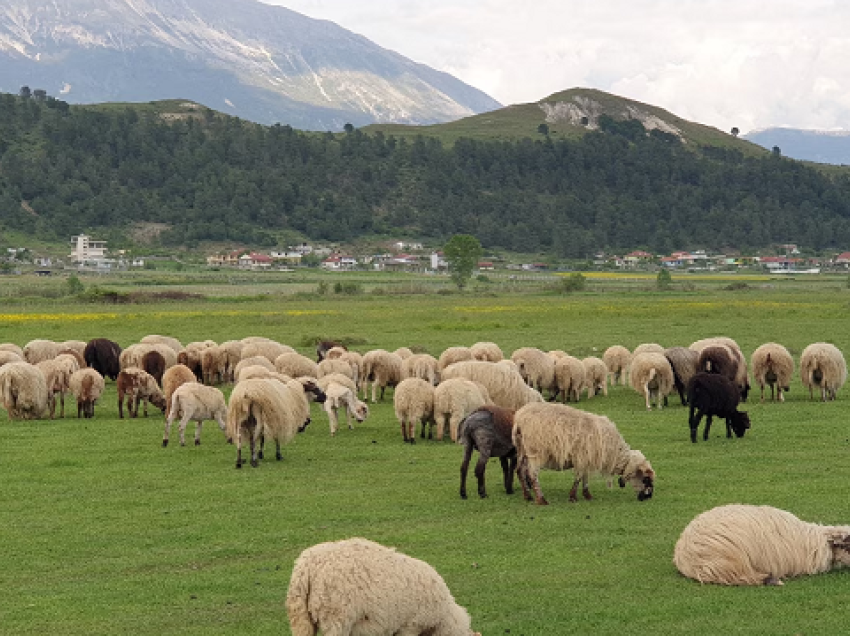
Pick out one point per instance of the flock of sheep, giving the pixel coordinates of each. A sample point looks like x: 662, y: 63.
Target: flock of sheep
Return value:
x: 487, y: 402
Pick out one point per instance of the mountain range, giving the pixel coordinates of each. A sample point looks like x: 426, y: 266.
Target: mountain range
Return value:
x: 263, y: 63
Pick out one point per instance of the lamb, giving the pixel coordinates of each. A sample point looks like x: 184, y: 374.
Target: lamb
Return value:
x: 137, y: 385
x: 422, y: 366
x: 294, y: 364
x: 323, y: 346
x: 453, y: 355
x: 268, y: 349
x: 595, y: 376
x: 193, y: 401
x: 711, y: 394
x: 103, y: 356
x: 154, y: 364
x: 488, y: 430
x: 413, y: 401
x: 536, y: 367
x: 382, y: 369
x: 652, y: 376
x: 617, y: 358
x: 57, y: 376
x: 340, y: 396
x: 37, y: 351
x: 172, y: 343
x: 570, y: 378
x: 87, y: 386
x: 173, y: 378
x: 773, y: 365
x: 684, y: 364
x: 454, y: 399
x: 23, y: 389
x: 486, y: 352
x: 268, y: 409
x: 214, y: 365
x: 822, y: 365
x: 558, y: 437
x: 740, y: 544
x: 356, y: 586
x: 505, y: 386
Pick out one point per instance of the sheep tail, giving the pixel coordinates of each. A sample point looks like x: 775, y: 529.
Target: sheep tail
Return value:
x: 297, y: 596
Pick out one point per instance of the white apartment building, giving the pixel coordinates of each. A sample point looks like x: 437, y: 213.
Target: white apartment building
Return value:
x: 87, y: 249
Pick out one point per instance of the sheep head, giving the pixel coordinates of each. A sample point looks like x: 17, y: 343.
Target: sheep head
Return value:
x: 740, y: 422
x: 839, y: 543
x: 639, y: 474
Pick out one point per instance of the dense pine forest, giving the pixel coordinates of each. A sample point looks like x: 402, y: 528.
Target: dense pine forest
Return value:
x: 66, y: 169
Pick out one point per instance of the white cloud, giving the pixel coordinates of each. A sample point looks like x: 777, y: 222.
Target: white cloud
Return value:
x: 744, y: 63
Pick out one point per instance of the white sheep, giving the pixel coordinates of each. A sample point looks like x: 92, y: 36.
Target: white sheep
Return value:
x: 333, y: 365
x: 39, y: 350
x: 340, y: 396
x: 487, y: 352
x: 403, y: 352
x: 258, y: 371
x: 268, y: 349
x: 174, y: 377
x: 10, y: 346
x: 87, y: 385
x: 356, y: 586
x: 194, y: 401
x: 252, y: 362
x: 741, y: 544
x: 132, y: 355
x: 382, y: 369
x: 559, y: 437
x: 652, y: 376
x: 9, y: 356
x: 595, y: 376
x: 772, y: 365
x: 77, y: 346
x: 505, y: 385
x: 413, y: 401
x: 617, y: 358
x: 24, y: 391
x: 57, y: 376
x: 422, y: 366
x: 647, y: 347
x: 173, y: 343
x: 453, y: 355
x: 570, y: 378
x: 536, y: 367
x: 339, y: 378
x: 232, y: 356
x: 454, y: 399
x: 294, y: 364
x: 214, y: 365
x: 822, y: 365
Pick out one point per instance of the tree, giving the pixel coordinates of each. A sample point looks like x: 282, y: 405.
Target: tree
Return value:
x: 462, y: 253
x: 777, y: 151
x: 663, y: 280
x: 543, y: 129
x: 349, y: 128
x: 25, y: 92
x: 735, y: 131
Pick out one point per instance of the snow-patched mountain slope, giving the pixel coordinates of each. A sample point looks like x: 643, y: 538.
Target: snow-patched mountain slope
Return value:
x: 270, y: 63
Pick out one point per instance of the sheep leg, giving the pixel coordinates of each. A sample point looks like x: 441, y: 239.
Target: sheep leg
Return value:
x: 168, y: 421
x: 508, y: 463
x: 382, y: 392
x: 51, y: 404
x: 238, y: 446
x: 62, y: 403
x: 255, y: 457
x: 198, y: 433
x: 574, y: 490
x: 454, y: 423
x: 403, y: 430
x: 79, y: 408
x: 694, y: 418
x: 522, y: 475
x: 411, y: 430
x: 441, y: 426
x: 534, y: 478
x: 707, y: 427
x: 261, y: 445
x: 184, y: 421
x: 277, y: 455
x: 480, y: 468
x: 332, y: 420
x: 585, y: 491
x: 121, y: 405
x: 464, y: 468
x: 647, y: 395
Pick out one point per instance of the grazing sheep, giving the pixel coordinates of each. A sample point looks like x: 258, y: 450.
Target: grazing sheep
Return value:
x: 403, y: 352
x: 294, y: 364
x: 684, y: 364
x: 486, y: 352
x: 214, y: 365
x: 652, y: 376
x: 37, y: 351
x: 536, y: 367
x: 268, y: 409
x: 324, y: 346
x: 772, y: 365
x: 454, y: 399
x: 570, y: 378
x: 341, y: 396
x: 557, y: 354
x: 57, y: 376
x: 355, y: 360
x: 357, y: 586
x: 136, y: 385
x: 617, y: 358
x: 822, y: 365
x: 741, y: 374
x: 132, y: 355
x: 382, y: 369
x: 103, y: 356
x: 257, y: 371
x: 595, y: 376
x: 154, y: 364
x: 718, y: 359
x: 739, y: 544
x: 232, y: 356
x: 413, y: 401
x: 9, y: 346
x: 24, y: 391
x: 173, y: 378
x: 193, y: 401
x: 648, y: 347
x: 77, y: 346
x: 190, y: 356
x: 253, y: 361
x: 559, y: 437
x: 422, y: 366
x: 333, y: 365
x: 268, y: 349
x: 711, y: 394
x: 505, y: 386
x: 488, y: 430
x: 9, y: 356
x: 453, y: 355
x: 87, y: 386
x: 171, y: 343
x: 72, y: 354
x: 339, y: 378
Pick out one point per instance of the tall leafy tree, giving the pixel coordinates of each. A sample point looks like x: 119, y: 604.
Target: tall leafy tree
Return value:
x: 462, y: 253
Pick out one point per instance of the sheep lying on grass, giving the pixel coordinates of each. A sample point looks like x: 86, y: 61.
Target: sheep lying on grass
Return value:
x: 489, y: 431
x: 193, y: 401
x: 652, y: 376
x: 23, y: 388
x: 87, y: 386
x: 340, y: 396
x: 137, y: 386
x: 413, y: 401
x: 710, y: 394
x: 773, y: 365
x: 454, y: 399
x: 357, y: 586
x: 739, y: 544
x: 822, y: 365
x: 617, y: 358
x: 559, y: 437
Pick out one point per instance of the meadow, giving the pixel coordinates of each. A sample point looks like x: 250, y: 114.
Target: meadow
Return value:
x: 106, y: 532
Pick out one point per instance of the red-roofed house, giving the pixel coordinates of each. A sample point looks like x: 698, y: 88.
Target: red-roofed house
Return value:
x: 255, y: 261
x: 842, y: 259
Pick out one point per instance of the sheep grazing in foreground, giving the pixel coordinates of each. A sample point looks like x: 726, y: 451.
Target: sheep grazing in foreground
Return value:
x: 488, y: 430
x: 822, y: 365
x: 487, y: 352
x: 652, y: 376
x: 382, y: 369
x: 617, y: 358
x: 739, y: 544
x: 710, y: 394
x: 774, y: 366
x: 103, y: 356
x: 595, y: 376
x: 87, y: 386
x: 340, y: 396
x: 356, y: 586
x: 138, y: 386
x: 36, y: 351
x: 294, y: 365
x: 559, y: 437
x: 268, y: 409
x: 413, y: 402
x: 422, y: 366
x: 453, y: 355
x: 504, y: 384
x: 23, y: 389
x: 454, y: 399
x: 173, y: 378
x: 570, y: 378
x: 194, y: 401
x: 684, y: 364
x: 536, y: 367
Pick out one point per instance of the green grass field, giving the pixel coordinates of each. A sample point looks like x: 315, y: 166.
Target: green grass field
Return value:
x: 105, y: 532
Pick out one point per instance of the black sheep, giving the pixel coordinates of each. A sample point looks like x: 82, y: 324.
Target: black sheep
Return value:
x: 488, y: 430
x: 103, y: 356
x: 711, y: 394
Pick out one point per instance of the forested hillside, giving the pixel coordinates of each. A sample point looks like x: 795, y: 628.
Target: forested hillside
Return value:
x: 212, y: 177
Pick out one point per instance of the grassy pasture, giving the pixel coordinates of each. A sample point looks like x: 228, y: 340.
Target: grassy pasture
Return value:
x: 105, y: 532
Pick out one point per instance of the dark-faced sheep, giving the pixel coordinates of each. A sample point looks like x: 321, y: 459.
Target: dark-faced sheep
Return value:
x: 103, y: 356
x: 488, y: 430
x: 323, y: 346
x: 710, y: 394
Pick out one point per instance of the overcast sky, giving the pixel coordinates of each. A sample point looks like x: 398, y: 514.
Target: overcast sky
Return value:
x: 745, y: 63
